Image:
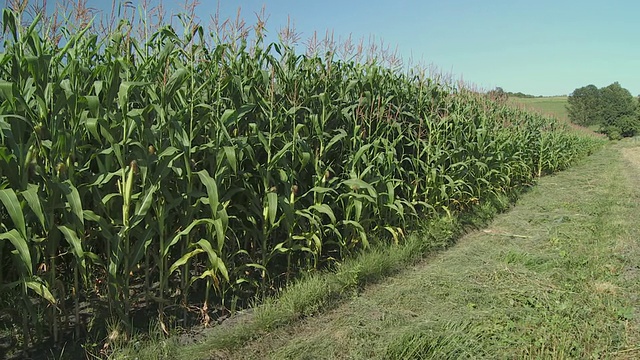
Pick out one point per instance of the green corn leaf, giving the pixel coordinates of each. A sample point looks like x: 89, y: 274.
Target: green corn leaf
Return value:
x: 169, y: 152
x: 168, y: 47
x: 105, y: 178
x: 272, y: 203
x: 4, y: 153
x: 220, y: 233
x: 305, y: 158
x: 317, y: 242
x: 76, y: 245
x: 282, y: 152
x: 324, y: 209
x: 93, y: 103
x: 33, y: 200
x: 10, y: 200
x: 6, y: 90
x: 183, y: 260
x: 394, y: 233
x: 142, y: 206
x: 73, y: 198
x: 212, y: 191
x: 230, y: 153
x: 109, y: 134
x: 261, y: 137
x: 184, y: 232
x: 21, y: 245
x: 357, y: 205
x: 341, y: 134
x: 107, y: 198
x: 360, y: 230
x: 229, y: 116
x: 280, y: 249
x: 207, y: 273
x: 93, y: 126
x: 214, y: 260
x: 302, y: 248
x: 182, y: 136
x: 319, y: 190
x: 40, y: 289
x: 97, y: 87
x: 355, y: 184
x: 43, y: 109
x: 360, y: 153
x: 175, y: 82
x: 224, y: 218
x: 311, y: 217
x: 106, y: 228
x: 139, y: 247
x: 123, y: 95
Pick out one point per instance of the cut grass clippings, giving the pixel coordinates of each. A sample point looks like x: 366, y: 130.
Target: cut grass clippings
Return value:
x: 555, y: 277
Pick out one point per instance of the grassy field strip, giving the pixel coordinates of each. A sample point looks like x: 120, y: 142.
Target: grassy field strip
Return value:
x: 556, y: 277
x: 554, y: 105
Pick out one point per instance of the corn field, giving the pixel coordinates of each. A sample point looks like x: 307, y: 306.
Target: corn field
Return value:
x: 173, y: 172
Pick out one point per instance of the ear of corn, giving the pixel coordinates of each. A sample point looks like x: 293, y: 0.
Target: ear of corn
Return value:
x: 181, y: 166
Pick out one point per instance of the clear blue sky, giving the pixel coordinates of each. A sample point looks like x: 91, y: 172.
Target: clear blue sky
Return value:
x: 540, y: 47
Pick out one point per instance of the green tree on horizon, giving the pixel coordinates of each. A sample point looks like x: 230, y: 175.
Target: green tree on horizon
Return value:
x: 584, y: 105
x: 613, y: 108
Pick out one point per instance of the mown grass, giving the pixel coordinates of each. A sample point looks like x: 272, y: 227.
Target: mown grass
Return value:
x: 556, y: 277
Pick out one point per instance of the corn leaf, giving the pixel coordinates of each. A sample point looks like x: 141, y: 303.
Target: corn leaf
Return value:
x: 73, y: 198
x: 20, y: 244
x: 10, y: 200
x: 76, y: 244
x: 183, y: 260
x: 33, y: 200
x: 214, y: 260
x: 41, y: 289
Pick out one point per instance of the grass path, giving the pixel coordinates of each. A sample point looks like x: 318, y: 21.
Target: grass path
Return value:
x: 558, y: 276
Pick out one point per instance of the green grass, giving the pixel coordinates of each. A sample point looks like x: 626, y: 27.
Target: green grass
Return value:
x: 556, y: 277
x: 552, y: 106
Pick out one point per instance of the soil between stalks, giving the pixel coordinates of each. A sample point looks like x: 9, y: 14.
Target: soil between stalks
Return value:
x: 555, y: 277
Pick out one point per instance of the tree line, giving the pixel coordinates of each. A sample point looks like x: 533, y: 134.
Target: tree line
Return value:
x: 612, y: 108
x: 499, y: 93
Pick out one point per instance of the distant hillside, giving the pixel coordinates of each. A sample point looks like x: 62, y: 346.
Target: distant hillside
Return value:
x: 555, y: 106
